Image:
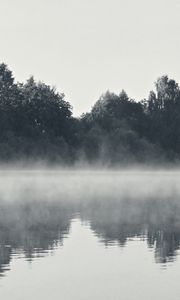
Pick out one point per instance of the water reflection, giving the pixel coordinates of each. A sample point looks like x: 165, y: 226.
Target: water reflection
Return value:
x: 33, y: 228
x: 155, y: 220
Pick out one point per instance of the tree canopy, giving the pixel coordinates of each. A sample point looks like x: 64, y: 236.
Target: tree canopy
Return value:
x: 36, y: 122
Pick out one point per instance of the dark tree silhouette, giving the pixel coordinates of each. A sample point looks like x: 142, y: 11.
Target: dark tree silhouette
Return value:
x: 36, y: 122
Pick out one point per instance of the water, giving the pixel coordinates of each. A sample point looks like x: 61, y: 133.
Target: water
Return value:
x: 89, y: 235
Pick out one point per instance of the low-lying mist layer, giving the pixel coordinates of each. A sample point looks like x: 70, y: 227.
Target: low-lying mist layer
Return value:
x: 36, y: 209
x: 84, y: 185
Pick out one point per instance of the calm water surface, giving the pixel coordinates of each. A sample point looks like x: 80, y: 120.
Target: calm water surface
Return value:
x: 89, y: 235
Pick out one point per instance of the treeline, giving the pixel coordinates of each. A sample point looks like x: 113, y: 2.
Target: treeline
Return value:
x: 37, y: 123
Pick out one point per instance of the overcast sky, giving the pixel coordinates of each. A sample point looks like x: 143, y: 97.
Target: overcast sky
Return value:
x: 85, y: 47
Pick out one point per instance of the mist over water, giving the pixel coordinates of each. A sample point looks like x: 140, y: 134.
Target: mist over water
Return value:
x: 126, y: 215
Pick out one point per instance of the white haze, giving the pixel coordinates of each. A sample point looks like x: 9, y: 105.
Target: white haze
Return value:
x: 37, y: 209
x: 72, y: 185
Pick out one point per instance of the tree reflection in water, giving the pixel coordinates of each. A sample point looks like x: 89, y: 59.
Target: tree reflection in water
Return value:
x: 33, y: 228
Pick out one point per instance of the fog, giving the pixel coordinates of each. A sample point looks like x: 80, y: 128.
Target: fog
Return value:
x: 39, y: 207
x: 85, y: 185
x: 118, y: 204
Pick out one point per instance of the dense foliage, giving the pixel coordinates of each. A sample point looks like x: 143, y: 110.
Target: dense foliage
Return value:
x: 37, y: 123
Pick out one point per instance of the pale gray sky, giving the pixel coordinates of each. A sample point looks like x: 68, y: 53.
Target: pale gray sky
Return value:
x: 85, y: 47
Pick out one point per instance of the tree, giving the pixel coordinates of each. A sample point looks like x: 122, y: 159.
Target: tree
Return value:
x: 163, y: 109
x: 46, y: 112
x: 9, y: 97
x: 166, y: 96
